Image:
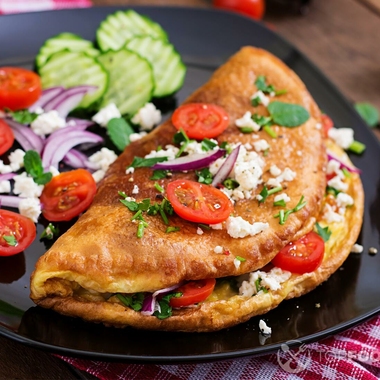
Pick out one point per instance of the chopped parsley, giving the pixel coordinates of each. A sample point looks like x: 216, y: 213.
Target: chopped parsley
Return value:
x: 262, y: 85
x: 323, y: 232
x: 172, y: 229
x: 204, y: 176
x: 242, y: 259
x: 10, y: 239
x: 159, y: 174
x: 49, y: 232
x: 23, y: 116
x: 259, y: 287
x: 134, y: 301
x: 158, y: 187
x: 207, y: 144
x: 140, y: 162
x: 165, y: 310
x: 265, y: 193
x: 284, y: 214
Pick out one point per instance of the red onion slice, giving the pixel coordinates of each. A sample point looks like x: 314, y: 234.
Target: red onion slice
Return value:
x: 79, y: 123
x: 7, y: 176
x: 75, y: 159
x: 56, y: 148
x: 226, y: 168
x: 191, y: 162
x: 26, y: 136
x: 10, y: 201
x: 47, y: 95
x: 68, y: 99
x: 149, y: 303
x: 342, y: 164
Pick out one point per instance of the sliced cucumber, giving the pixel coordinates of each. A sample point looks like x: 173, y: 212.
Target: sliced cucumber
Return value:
x: 121, y: 26
x: 60, y: 42
x: 168, y: 69
x: 131, y: 80
x: 66, y: 68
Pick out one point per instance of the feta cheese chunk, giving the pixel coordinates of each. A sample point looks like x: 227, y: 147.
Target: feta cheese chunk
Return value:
x: 264, y: 328
x: 330, y: 216
x: 237, y: 227
x: 343, y: 137
x: 218, y: 249
x: 25, y: 186
x: 337, y: 183
x: 5, y: 186
x: 147, y: 117
x: 247, y: 122
x: 4, y: 169
x: 237, y: 263
x: 135, y: 189
x: 357, y: 248
x: 103, y: 158
x: 98, y: 175
x: 16, y: 159
x: 136, y: 136
x: 31, y: 208
x: 261, y: 145
x: 47, y: 123
x: 106, y: 114
x: 170, y: 152
x: 282, y: 197
x: 262, y: 97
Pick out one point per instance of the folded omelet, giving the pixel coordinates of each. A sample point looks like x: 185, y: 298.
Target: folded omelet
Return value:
x: 101, y: 256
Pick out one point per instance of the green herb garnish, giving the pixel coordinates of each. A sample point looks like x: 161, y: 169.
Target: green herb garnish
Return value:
x: 265, y: 88
x: 49, y: 232
x: 357, y: 147
x: 270, y: 131
x: 207, y: 144
x: 165, y: 308
x: 158, y: 187
x: 10, y: 239
x: 119, y: 131
x: 265, y: 192
x: 204, y: 176
x: 230, y: 184
x: 159, y: 174
x: 139, y: 162
x: 259, y: 287
x: 23, y: 116
x: 324, y: 233
x: 33, y: 166
x: 288, y: 114
x: 246, y: 130
x: 242, y: 259
x: 283, y: 215
x: 280, y: 203
x: 134, y: 301
x: 262, y: 121
x: 369, y: 113
x: 204, y: 226
x: 172, y: 229
x: 224, y: 145
x: 256, y: 101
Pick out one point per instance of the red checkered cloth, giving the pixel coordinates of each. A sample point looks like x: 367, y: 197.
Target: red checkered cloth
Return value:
x: 18, y: 6
x: 353, y: 354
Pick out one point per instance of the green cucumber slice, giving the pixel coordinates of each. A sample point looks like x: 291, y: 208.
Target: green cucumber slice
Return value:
x: 131, y: 80
x: 168, y: 69
x: 121, y: 26
x: 68, y: 69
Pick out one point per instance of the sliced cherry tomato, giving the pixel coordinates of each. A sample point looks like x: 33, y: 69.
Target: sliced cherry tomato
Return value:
x: 6, y: 137
x: 19, y: 88
x: 200, y: 120
x: 197, y: 202
x: 193, y: 292
x: 302, y: 256
x: 252, y: 8
x: 17, y: 232
x: 67, y: 195
x: 327, y: 124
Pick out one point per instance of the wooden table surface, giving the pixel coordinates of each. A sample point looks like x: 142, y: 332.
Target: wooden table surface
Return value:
x: 339, y: 36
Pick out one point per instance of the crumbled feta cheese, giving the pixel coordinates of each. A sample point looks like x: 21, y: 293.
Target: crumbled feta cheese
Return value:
x: 247, y: 122
x: 5, y: 186
x: 98, y: 175
x: 195, y: 147
x: 261, y: 145
x: 271, y: 280
x: 38, y: 111
x: 259, y: 197
x: 130, y: 170
x: 287, y: 175
x: 263, y: 98
x: 218, y: 226
x: 264, y: 328
x: 147, y: 117
x: 357, y: 248
x: 344, y: 137
x: 237, y: 263
x: 343, y: 200
x: 106, y: 114
x: 282, y: 197
x: 330, y: 216
x: 135, y: 189
x: 218, y: 249
x: 318, y: 126
x: 31, y: 208
x: 337, y: 183
x: 274, y: 170
x: 103, y: 158
x: 136, y: 136
x: 237, y: 227
x: 199, y: 231
x: 16, y: 159
x: 333, y: 167
x: 170, y: 152
x: 4, y: 169
x: 47, y: 123
x: 54, y: 171
x: 25, y: 186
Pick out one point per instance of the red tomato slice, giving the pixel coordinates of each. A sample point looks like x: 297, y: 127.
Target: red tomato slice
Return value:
x: 16, y: 233
x: 302, y: 256
x: 327, y: 124
x: 193, y: 292
x: 198, y: 203
x: 200, y: 120
x: 252, y: 8
x: 19, y: 88
x: 67, y: 195
x: 6, y: 137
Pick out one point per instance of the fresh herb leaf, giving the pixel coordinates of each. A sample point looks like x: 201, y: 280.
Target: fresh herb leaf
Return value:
x: 332, y: 190
x: 369, y: 113
x: 242, y: 259
x: 33, y: 166
x: 207, y: 144
x: 287, y: 114
x: 144, y: 204
x: 10, y: 239
x: 256, y: 101
x: 270, y: 131
x: 324, y: 233
x: 283, y: 215
x: 265, y: 192
x: 153, y: 209
x: 259, y: 287
x: 119, y: 131
x: 280, y: 203
x: 204, y: 176
x: 231, y: 184
x: 204, y: 226
x: 224, y: 145
x: 49, y: 232
x: 172, y: 229
x: 140, y: 162
x: 357, y: 147
x: 165, y: 310
x: 261, y: 120
x: 158, y: 174
x: 131, y: 205
x: 23, y: 116
x: 246, y: 130
x: 180, y: 137
x: 134, y: 301
x: 158, y: 187
x: 268, y: 89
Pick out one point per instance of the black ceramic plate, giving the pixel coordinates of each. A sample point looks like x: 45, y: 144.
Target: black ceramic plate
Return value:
x: 205, y: 38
